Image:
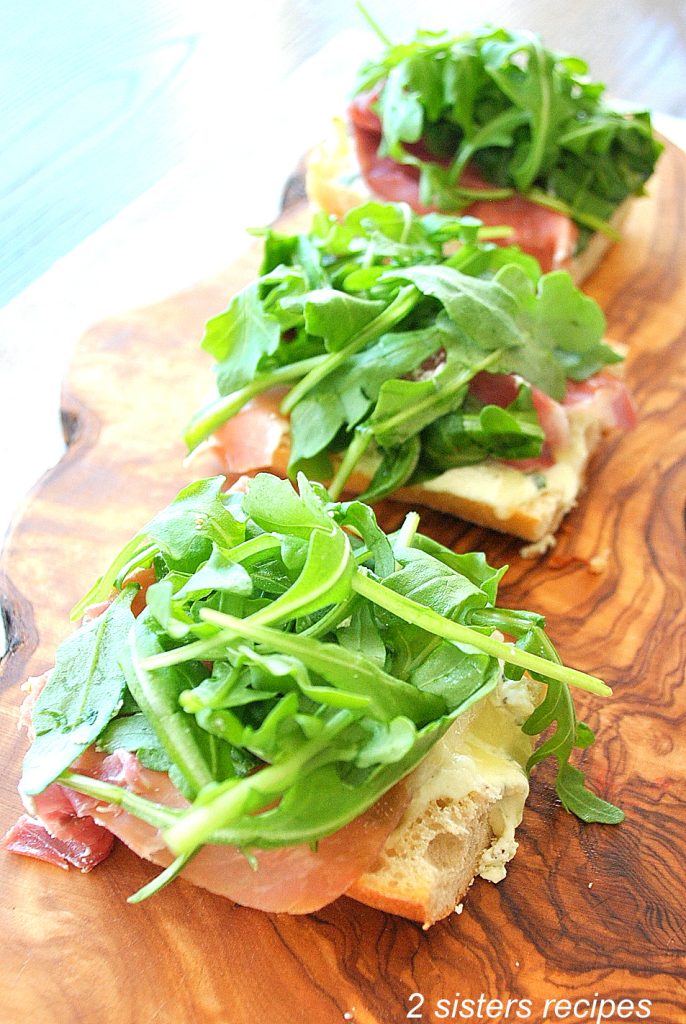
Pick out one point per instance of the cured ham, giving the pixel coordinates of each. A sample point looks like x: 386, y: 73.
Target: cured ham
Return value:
x: 143, y: 577
x: 611, y: 400
x: 84, y: 848
x: 295, y: 880
x: 549, y: 236
x: 257, y: 437
x: 65, y: 828
x: 603, y: 394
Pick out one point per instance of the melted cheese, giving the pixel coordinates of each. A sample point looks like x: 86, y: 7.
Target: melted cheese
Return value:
x: 508, y: 490
x: 484, y: 753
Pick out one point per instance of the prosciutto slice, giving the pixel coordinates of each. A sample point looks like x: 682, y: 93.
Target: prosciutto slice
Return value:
x: 549, y: 236
x: 85, y: 845
x: 294, y: 880
x: 603, y: 394
x: 257, y: 437
x: 65, y: 828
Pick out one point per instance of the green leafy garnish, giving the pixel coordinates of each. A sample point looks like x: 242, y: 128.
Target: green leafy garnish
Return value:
x: 83, y: 693
x: 380, y: 355
x: 314, y: 662
x: 528, y: 119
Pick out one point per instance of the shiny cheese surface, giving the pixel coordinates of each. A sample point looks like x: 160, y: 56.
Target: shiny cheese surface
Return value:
x: 484, y: 753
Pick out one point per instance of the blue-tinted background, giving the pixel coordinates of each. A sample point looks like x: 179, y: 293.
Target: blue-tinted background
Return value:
x: 98, y: 101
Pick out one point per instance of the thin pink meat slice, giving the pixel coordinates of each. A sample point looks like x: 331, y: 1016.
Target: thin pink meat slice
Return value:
x: 294, y: 880
x: 607, y: 395
x: 251, y: 434
x: 85, y: 846
x: 549, y: 236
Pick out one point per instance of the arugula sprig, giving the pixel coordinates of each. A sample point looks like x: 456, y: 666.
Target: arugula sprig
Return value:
x: 292, y: 663
x: 377, y: 325
x: 528, y: 118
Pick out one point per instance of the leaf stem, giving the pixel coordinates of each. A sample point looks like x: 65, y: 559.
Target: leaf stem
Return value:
x: 161, y: 880
x: 254, y: 546
x: 417, y: 614
x: 223, y: 408
x: 198, y: 651
x: 374, y: 25
x: 536, y: 195
x: 354, y: 453
x: 152, y: 813
x: 407, y: 531
x: 401, y: 305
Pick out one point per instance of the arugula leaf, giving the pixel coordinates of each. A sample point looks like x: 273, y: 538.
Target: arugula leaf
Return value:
x: 572, y: 325
x: 395, y: 469
x: 457, y: 673
x: 324, y: 580
x: 275, y: 507
x: 186, y: 529
x: 360, y: 517
x: 362, y: 635
x: 483, y: 310
x: 157, y: 694
x: 135, y: 733
x: 532, y: 90
x: 85, y: 690
x: 436, y: 585
x: 527, y: 118
x: 239, y: 337
x: 296, y: 666
x: 472, y: 565
x: 411, y: 87
x: 345, y: 397
x: 557, y: 707
x: 335, y: 316
x: 219, y: 572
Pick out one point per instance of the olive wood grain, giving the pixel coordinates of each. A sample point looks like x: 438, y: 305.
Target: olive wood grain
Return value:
x: 584, y: 909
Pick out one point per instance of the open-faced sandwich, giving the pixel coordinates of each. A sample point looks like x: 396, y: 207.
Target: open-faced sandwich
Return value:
x: 273, y: 698
x: 400, y: 355
x: 493, y: 124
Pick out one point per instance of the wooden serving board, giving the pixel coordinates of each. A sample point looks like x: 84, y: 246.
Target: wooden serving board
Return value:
x: 585, y: 911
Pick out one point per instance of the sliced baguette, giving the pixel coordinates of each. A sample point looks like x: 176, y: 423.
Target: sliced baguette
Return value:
x: 508, y: 500
x: 466, y: 800
x: 526, y: 505
x: 334, y: 183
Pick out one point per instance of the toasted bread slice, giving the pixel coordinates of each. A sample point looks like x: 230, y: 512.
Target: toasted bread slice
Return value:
x: 334, y: 182
x: 527, y: 505
x: 490, y: 493
x: 466, y: 800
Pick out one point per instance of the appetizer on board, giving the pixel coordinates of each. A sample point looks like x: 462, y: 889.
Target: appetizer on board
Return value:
x: 273, y: 698
x: 399, y: 355
x: 493, y: 124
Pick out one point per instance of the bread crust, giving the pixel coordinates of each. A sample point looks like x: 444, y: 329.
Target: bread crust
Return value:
x: 534, y: 520
x: 467, y: 798
x: 334, y: 183
x: 418, y: 900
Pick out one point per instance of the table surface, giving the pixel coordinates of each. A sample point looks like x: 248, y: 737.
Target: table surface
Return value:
x: 584, y: 910
x: 142, y: 138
